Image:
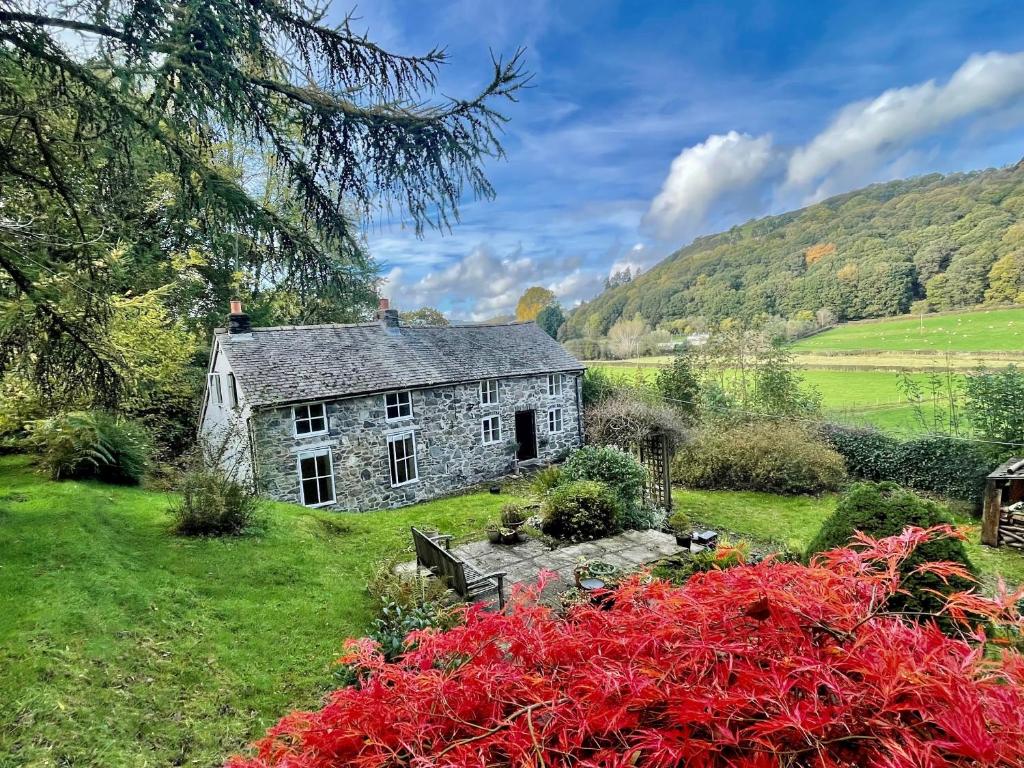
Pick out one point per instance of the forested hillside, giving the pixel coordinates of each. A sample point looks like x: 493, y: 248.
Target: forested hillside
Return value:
x: 946, y: 241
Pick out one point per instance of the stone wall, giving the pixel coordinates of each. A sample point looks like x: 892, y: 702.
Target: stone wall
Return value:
x: 447, y: 423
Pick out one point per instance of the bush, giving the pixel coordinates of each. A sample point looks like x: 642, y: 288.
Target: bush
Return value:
x: 405, y: 603
x: 761, y: 456
x: 885, y: 509
x: 91, y: 445
x: 932, y: 464
x: 627, y: 419
x: 580, y: 511
x: 623, y: 474
x: 513, y: 515
x: 763, y: 665
x: 597, y: 386
x: 545, y: 480
x: 214, y: 504
x: 643, y: 518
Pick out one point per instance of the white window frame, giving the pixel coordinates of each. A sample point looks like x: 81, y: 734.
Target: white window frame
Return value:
x: 556, y: 416
x: 216, y: 388
x: 398, y: 405
x: 298, y: 469
x: 392, y: 468
x: 489, y: 392
x: 310, y: 418
x: 495, y: 430
x: 232, y: 390
x: 556, y: 384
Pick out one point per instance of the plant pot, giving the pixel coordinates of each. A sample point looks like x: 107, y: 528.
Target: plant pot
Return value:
x: 494, y: 535
x: 684, y: 540
x: 512, y: 538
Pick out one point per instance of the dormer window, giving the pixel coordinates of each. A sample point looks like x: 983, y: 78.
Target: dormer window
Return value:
x: 489, y: 392
x: 398, y: 405
x: 555, y: 384
x: 310, y: 419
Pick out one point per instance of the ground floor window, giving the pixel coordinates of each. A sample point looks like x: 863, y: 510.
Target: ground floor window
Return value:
x: 555, y: 420
x: 402, y: 458
x: 492, y: 429
x: 316, y: 478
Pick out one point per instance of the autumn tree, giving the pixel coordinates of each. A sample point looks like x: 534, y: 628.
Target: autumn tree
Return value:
x: 424, y: 316
x: 123, y: 165
x: 625, y: 336
x: 533, y: 300
x: 1006, y: 280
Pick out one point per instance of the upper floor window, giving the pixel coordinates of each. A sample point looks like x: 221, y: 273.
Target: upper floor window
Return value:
x: 216, y: 388
x: 316, y: 478
x: 398, y: 405
x: 491, y: 429
x: 232, y: 391
x: 310, y: 419
x: 555, y: 384
x: 402, y: 458
x: 555, y: 420
x: 489, y: 392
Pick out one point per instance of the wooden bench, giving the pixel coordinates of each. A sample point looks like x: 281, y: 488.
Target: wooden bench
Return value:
x: 432, y: 552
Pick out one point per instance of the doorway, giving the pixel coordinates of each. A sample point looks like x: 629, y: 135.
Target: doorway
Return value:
x: 526, y: 435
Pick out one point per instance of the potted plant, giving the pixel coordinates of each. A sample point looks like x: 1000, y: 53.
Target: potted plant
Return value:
x: 513, y: 516
x: 679, y: 525
x: 594, y: 569
x: 494, y: 533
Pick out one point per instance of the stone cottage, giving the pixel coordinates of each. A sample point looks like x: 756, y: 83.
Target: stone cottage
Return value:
x: 376, y: 415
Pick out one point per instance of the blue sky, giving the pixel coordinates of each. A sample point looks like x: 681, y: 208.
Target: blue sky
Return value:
x: 651, y: 123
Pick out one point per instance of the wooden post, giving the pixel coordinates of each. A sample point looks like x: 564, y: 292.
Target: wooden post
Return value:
x: 990, y: 514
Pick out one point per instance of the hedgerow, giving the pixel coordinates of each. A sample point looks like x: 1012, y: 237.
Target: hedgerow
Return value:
x: 749, y: 667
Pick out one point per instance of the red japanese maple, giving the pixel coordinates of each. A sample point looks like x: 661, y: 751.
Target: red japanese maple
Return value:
x: 774, y: 664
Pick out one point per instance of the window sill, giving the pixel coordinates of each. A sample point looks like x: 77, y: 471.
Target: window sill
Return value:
x: 406, y: 483
x: 321, y: 504
x: 319, y: 433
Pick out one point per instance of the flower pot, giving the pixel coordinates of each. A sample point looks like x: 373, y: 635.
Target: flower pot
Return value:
x: 512, y: 538
x: 684, y: 539
x: 494, y: 535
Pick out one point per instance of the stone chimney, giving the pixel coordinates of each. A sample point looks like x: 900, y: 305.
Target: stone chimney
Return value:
x: 238, y: 322
x: 388, y: 317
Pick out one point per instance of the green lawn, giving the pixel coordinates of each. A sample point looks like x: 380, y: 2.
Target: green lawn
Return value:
x: 124, y: 645
x: 978, y: 331
x: 794, y: 521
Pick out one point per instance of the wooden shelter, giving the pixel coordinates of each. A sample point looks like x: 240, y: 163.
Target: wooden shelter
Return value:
x: 1002, y: 520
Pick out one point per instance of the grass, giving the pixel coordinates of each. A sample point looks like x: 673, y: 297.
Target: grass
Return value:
x: 991, y: 330
x: 122, y: 644
x: 793, y: 521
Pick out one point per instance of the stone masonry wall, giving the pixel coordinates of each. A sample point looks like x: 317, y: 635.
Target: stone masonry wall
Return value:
x: 447, y: 422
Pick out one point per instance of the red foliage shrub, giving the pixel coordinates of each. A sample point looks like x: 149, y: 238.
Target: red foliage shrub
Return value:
x: 775, y: 664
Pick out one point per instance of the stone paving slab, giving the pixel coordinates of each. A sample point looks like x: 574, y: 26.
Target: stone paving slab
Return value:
x: 523, y: 562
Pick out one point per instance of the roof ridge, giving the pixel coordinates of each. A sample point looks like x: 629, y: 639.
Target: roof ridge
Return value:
x: 376, y: 323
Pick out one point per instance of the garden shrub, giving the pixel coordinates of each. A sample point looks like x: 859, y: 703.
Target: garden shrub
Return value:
x: 214, y: 502
x: 545, y: 480
x: 931, y: 464
x: 757, y: 666
x: 621, y: 472
x: 643, y: 517
x: 580, y: 511
x: 405, y: 603
x: 886, y: 509
x: 91, y: 445
x: 759, y: 456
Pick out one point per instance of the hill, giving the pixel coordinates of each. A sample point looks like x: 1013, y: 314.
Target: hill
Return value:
x: 949, y: 241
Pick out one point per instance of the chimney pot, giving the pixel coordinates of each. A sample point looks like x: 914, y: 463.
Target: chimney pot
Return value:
x: 384, y: 305
x: 236, y: 307
x: 238, y: 322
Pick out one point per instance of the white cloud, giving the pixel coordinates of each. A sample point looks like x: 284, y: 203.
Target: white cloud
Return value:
x: 703, y: 174
x: 482, y: 284
x: 865, y: 133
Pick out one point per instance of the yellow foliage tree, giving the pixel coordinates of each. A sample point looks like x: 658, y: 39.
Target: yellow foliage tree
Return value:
x: 533, y: 300
x: 816, y: 253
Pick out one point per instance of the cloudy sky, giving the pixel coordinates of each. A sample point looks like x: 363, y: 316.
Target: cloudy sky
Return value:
x: 650, y: 123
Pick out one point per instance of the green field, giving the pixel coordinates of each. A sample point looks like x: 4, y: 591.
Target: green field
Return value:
x: 122, y: 644
x: 795, y: 520
x: 851, y: 397
x: 993, y: 330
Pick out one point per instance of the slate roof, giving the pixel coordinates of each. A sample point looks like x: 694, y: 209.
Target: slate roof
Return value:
x: 320, y: 362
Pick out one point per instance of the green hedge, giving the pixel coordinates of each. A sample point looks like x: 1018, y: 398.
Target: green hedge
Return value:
x: 932, y: 464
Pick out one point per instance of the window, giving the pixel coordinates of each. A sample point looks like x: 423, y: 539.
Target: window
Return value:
x: 554, y: 384
x: 310, y: 419
x: 398, y: 405
x: 555, y: 420
x: 316, y: 478
x: 489, y: 392
x: 491, y: 429
x: 402, y: 458
x: 232, y: 391
x: 216, y: 391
